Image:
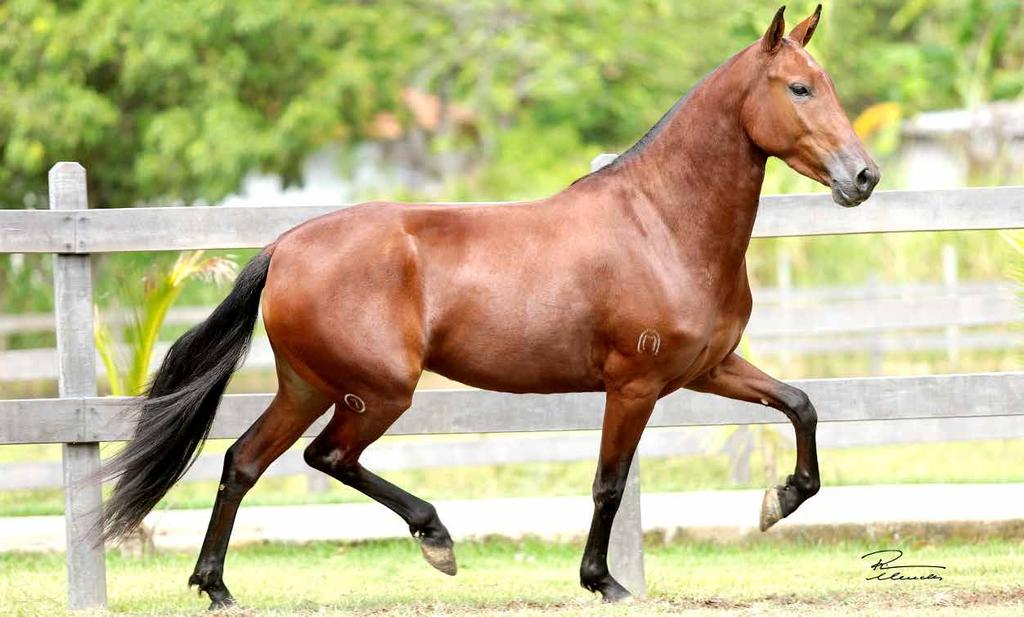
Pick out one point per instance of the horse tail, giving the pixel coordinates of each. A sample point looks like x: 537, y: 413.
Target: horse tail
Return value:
x: 175, y: 416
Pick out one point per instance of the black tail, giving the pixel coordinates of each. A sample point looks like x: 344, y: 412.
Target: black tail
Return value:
x: 175, y: 416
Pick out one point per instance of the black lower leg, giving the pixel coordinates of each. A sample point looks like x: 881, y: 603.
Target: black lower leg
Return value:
x: 209, y: 570
x: 609, y: 485
x: 781, y: 501
x: 805, y: 481
x: 421, y: 516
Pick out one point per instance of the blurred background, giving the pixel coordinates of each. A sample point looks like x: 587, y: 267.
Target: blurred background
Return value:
x: 260, y: 103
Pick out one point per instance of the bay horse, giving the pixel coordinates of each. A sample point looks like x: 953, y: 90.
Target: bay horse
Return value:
x: 631, y: 281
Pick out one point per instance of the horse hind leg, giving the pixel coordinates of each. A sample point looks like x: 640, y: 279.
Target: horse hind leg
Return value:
x: 292, y: 411
x: 336, y: 451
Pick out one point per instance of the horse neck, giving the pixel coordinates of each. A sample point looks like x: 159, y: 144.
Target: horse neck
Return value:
x: 700, y: 174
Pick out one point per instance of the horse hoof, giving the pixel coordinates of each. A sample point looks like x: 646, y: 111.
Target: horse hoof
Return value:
x: 771, y: 509
x: 223, y: 605
x: 616, y: 594
x: 441, y: 557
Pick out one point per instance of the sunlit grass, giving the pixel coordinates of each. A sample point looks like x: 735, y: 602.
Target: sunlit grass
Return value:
x: 530, y: 577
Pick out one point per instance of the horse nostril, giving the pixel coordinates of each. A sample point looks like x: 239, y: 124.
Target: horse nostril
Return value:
x: 867, y: 179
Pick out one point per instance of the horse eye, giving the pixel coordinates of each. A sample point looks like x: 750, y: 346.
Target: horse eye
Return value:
x: 799, y: 90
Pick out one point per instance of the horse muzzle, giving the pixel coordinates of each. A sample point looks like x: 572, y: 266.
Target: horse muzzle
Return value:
x: 853, y: 183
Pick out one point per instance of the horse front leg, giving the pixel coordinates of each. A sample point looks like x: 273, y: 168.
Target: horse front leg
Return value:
x: 736, y: 378
x: 626, y: 414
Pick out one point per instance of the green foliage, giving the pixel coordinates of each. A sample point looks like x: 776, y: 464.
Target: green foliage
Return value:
x: 177, y: 101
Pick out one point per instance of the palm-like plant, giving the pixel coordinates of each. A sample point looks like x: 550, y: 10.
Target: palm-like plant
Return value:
x: 128, y: 376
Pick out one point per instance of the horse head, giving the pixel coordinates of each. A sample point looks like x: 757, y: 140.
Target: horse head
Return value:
x: 791, y: 111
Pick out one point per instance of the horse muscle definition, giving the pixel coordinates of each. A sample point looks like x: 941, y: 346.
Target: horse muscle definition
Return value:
x: 631, y: 281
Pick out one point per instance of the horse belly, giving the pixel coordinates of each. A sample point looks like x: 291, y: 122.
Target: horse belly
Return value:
x: 500, y: 352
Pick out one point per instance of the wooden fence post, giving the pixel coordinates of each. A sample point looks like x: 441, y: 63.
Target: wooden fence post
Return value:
x: 950, y: 279
x: 626, y: 549
x: 76, y: 353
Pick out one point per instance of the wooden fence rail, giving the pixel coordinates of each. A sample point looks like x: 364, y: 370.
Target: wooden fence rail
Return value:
x: 894, y: 321
x: 80, y: 420
x: 177, y: 228
x: 563, y: 447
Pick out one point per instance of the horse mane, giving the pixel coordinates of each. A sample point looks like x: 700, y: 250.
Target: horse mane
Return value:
x: 653, y: 132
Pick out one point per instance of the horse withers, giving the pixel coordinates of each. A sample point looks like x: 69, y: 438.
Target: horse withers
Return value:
x: 631, y: 281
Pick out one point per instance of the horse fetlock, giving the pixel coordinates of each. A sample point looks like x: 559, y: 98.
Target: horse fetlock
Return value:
x: 210, y: 581
x: 806, y: 484
x: 781, y: 501
x: 604, y: 583
x: 205, y: 577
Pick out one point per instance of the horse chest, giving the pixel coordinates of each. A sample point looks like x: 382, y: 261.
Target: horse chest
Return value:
x: 684, y: 331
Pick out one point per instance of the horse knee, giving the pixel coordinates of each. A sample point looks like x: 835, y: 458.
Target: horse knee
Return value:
x: 799, y: 407
x: 240, y: 474
x: 608, y: 496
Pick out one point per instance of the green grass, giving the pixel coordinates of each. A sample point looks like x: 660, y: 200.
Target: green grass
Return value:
x: 979, y: 461
x: 767, y: 576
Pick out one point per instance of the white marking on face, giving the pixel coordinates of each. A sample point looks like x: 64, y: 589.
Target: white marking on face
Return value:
x: 355, y: 403
x: 649, y: 342
x: 764, y: 402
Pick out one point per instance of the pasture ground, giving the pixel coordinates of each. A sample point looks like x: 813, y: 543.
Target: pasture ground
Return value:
x: 768, y: 576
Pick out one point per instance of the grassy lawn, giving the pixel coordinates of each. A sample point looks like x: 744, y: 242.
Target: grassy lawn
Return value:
x: 499, y: 577
x: 897, y: 464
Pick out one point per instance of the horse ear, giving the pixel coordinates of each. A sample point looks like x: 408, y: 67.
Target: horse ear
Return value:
x: 804, y: 30
x: 772, y: 39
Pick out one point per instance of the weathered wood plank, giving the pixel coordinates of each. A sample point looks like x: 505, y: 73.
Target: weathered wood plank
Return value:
x: 892, y: 211
x: 76, y: 367
x: 387, y: 455
x: 478, y: 411
x: 913, y: 294
x: 176, y: 228
x: 36, y: 231
x: 626, y: 548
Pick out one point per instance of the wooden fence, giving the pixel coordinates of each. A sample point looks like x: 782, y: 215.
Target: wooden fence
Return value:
x: 874, y: 319
x: 80, y: 420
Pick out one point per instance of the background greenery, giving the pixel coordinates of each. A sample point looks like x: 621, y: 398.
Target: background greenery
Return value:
x: 175, y: 102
